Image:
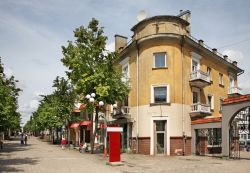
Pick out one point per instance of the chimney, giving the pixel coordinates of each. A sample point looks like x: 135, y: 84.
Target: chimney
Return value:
x: 225, y: 57
x: 214, y: 50
x: 235, y: 63
x: 120, y: 42
x: 201, y: 42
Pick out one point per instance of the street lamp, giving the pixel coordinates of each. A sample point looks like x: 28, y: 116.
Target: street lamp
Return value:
x: 91, y: 99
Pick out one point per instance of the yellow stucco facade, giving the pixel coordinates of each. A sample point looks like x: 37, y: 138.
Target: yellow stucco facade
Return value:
x: 171, y: 35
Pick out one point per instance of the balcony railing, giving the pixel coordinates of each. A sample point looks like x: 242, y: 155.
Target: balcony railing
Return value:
x: 199, y: 78
x: 199, y: 75
x: 122, y: 112
x: 234, y: 90
x: 200, y: 109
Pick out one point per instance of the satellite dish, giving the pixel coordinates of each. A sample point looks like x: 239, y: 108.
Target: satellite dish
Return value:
x: 141, y: 15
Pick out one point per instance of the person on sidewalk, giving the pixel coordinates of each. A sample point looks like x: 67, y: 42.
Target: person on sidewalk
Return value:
x: 63, y: 143
x: 1, y: 144
x: 21, y: 138
x: 25, y: 139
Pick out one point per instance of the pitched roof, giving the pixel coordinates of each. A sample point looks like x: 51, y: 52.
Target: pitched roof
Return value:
x: 237, y: 99
x: 206, y: 120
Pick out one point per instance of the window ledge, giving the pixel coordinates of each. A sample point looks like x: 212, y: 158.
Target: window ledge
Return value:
x: 158, y: 68
x: 221, y: 85
x: 159, y: 104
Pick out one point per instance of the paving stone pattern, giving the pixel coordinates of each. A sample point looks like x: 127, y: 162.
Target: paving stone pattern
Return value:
x: 42, y: 157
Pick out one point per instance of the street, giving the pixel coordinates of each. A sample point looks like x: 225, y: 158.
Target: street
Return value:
x: 42, y: 157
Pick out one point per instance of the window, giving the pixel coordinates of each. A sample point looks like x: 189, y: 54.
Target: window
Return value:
x: 231, y: 82
x: 160, y: 94
x: 210, y: 101
x: 221, y: 102
x: 195, y: 97
x: 125, y: 72
x: 209, y: 72
x: 195, y: 65
x: 221, y: 79
x: 160, y: 60
x: 214, y: 136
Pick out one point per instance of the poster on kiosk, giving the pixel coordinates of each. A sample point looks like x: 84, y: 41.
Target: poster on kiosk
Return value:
x: 114, y: 144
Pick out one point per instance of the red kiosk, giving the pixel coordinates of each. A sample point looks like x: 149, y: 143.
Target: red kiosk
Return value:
x: 114, y: 145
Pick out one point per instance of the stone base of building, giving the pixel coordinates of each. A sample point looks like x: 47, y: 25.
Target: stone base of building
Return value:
x: 176, y: 145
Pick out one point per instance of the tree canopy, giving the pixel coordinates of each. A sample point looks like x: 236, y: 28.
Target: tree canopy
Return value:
x: 91, y: 67
x: 54, y: 109
x: 9, y: 92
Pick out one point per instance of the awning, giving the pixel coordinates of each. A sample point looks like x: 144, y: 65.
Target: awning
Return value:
x: 74, y: 125
x: 76, y: 111
x: 82, y: 106
x: 85, y: 123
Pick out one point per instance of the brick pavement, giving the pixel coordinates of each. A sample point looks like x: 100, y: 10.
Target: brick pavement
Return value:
x: 41, y: 157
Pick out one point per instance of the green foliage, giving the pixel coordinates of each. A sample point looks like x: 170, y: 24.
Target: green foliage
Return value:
x: 91, y: 67
x: 54, y: 109
x: 9, y: 117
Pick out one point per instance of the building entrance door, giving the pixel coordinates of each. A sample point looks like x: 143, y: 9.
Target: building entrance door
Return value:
x: 160, y: 134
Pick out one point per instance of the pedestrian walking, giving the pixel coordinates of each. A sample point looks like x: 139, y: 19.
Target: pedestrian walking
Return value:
x: 25, y: 139
x: 63, y: 143
x: 21, y: 139
x: 1, y: 144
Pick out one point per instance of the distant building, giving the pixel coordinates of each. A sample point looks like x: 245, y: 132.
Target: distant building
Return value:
x: 177, y: 86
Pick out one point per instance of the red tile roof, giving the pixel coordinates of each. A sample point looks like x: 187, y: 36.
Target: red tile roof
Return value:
x: 206, y: 120
x: 242, y: 98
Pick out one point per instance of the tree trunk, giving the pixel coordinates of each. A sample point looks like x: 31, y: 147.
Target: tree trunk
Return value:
x: 96, y: 126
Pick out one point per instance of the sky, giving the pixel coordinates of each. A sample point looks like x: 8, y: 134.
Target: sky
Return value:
x: 33, y: 31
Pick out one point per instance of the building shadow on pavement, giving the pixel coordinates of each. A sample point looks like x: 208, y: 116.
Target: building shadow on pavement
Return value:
x: 9, y: 165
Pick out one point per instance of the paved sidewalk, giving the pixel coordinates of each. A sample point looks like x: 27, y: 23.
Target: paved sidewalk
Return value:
x: 42, y: 157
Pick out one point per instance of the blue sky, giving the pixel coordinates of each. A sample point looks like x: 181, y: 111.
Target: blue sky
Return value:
x: 33, y: 31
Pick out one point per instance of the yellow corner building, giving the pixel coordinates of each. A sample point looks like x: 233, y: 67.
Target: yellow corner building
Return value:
x: 174, y: 80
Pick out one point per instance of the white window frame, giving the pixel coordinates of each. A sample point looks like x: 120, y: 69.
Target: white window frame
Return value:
x: 221, y: 82
x: 160, y: 85
x: 165, y: 65
x: 212, y: 101
x: 195, y: 57
x: 209, y: 73
x: 152, y: 138
x: 125, y: 63
x: 231, y: 78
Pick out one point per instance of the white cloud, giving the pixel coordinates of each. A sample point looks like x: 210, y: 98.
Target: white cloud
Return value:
x: 233, y: 54
x: 37, y: 95
x: 8, y: 72
x: 110, y: 47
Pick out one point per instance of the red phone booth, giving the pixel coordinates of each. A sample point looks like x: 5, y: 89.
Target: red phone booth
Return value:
x: 114, y: 145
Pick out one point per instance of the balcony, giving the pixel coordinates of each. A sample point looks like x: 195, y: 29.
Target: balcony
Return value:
x: 199, y: 110
x: 199, y: 79
x: 234, y: 91
x: 122, y: 112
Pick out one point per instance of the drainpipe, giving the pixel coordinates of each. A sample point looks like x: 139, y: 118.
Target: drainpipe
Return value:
x: 183, y: 95
x: 137, y: 97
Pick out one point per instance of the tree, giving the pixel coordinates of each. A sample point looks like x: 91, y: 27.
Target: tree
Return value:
x: 91, y: 68
x: 54, y: 109
x: 9, y: 92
